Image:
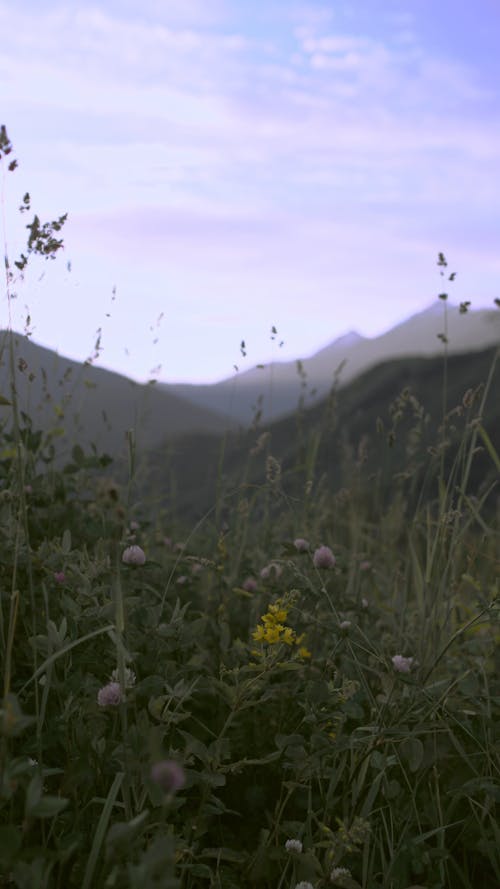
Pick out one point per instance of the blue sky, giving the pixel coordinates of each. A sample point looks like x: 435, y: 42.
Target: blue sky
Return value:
x: 228, y: 166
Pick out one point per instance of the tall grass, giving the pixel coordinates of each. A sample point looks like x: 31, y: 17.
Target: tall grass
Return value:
x: 219, y: 706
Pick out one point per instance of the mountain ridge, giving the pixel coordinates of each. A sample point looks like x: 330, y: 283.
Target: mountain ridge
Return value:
x: 276, y: 389
x: 92, y: 405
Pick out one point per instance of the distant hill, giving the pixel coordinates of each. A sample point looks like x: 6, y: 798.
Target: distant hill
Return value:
x: 91, y: 405
x: 324, y: 441
x: 276, y: 389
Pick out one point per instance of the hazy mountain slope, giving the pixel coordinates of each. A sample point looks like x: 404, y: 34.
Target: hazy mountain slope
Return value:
x: 279, y: 384
x: 95, y: 405
x: 274, y: 388
x: 360, y: 406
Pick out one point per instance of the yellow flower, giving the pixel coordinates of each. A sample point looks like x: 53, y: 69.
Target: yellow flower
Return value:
x: 275, y: 615
x: 288, y: 635
x: 273, y: 634
x: 259, y: 634
x: 304, y: 652
x: 272, y: 628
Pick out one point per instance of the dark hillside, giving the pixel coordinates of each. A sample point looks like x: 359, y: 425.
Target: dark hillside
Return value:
x: 88, y: 405
x: 384, y: 425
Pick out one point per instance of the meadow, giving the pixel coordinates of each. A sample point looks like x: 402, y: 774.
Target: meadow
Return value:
x: 297, y: 690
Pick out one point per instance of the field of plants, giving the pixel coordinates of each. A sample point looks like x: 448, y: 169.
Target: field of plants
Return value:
x: 299, y: 690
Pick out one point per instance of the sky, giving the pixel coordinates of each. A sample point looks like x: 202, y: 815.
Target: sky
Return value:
x: 232, y: 165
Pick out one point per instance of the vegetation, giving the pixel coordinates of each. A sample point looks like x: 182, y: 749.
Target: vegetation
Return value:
x: 301, y: 689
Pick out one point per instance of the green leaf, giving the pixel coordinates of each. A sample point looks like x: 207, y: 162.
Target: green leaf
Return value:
x: 100, y: 830
x: 12, y: 719
x: 489, y: 446
x: 200, y: 870
x: 412, y: 751
x: 49, y: 806
x: 283, y: 741
x: 223, y: 854
x: 10, y: 843
x: 122, y: 835
x: 33, y: 794
x: 4, y: 400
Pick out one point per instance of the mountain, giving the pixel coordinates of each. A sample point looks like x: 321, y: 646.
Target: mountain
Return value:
x: 88, y: 404
x: 277, y: 388
x: 368, y: 427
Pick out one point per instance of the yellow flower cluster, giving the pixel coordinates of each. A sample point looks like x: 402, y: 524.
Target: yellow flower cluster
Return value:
x: 273, y: 630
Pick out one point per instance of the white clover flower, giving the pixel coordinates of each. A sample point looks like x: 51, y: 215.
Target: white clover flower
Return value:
x: 402, y: 664
x: 301, y: 545
x: 272, y: 568
x: 293, y: 846
x: 338, y: 873
x: 345, y: 624
x: 133, y: 555
x: 130, y: 677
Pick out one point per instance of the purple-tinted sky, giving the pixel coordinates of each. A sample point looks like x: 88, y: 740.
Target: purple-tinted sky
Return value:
x: 230, y: 165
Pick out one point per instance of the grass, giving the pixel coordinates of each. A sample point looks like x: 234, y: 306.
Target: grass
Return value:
x: 175, y: 721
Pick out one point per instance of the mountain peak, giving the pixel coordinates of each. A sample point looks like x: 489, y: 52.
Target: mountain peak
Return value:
x: 351, y: 338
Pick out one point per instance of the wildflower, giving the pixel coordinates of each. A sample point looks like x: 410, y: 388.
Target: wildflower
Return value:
x: 129, y: 677
x: 364, y: 602
x: 181, y: 580
x: 272, y: 628
x: 250, y: 585
x: 273, y: 470
x: 304, y: 884
x: 133, y: 555
x: 272, y: 568
x: 28, y: 489
x: 275, y: 613
x: 134, y: 526
x: 365, y: 565
x: 287, y: 635
x: 196, y: 568
x: 338, y: 873
x: 109, y: 695
x: 402, y: 664
x: 323, y: 558
x: 301, y: 545
x: 304, y: 652
x: 293, y: 846
x: 345, y: 624
x: 168, y: 775
x: 59, y: 576
x: 167, y: 541
x: 270, y: 634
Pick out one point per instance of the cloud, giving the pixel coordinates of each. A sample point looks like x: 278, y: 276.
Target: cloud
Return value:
x: 238, y: 160
x: 92, y: 43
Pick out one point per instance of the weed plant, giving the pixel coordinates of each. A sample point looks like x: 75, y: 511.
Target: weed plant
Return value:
x: 304, y: 693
